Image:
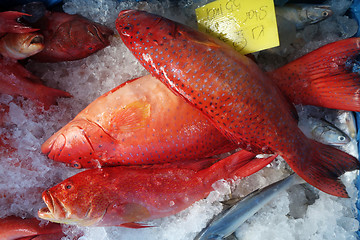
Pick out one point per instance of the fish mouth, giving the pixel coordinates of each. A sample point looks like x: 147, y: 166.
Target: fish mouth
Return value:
x: 33, y: 44
x: 54, y: 146
x: 54, y: 211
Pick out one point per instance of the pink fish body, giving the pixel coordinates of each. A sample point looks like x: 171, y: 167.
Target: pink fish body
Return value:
x: 231, y: 90
x: 139, y: 122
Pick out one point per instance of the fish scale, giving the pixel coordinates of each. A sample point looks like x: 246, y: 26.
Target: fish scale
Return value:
x: 253, y: 121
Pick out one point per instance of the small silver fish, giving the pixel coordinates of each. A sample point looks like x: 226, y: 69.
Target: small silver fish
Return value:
x: 349, y: 119
x: 304, y: 14
x: 324, y: 132
x: 228, y: 221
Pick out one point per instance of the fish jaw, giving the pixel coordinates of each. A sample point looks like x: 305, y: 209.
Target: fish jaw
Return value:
x: 54, y: 209
x: 21, y: 45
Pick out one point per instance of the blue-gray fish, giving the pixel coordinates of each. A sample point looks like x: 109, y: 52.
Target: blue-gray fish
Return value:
x: 304, y: 14
x: 324, y: 132
x: 228, y: 221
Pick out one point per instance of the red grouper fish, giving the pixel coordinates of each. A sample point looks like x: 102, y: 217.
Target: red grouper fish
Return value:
x: 234, y: 93
x: 70, y: 37
x: 123, y: 196
x: 138, y: 122
x: 16, y: 228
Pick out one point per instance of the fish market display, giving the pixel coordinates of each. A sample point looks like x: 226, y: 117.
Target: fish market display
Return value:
x: 300, y: 213
x: 145, y: 123
x: 123, y: 196
x: 241, y: 101
x: 12, y: 228
x: 70, y: 37
x: 21, y: 45
x: 324, y: 132
x: 17, y: 81
x: 228, y: 221
x: 304, y: 14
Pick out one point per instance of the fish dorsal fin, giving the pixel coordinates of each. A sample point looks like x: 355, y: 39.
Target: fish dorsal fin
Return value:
x: 134, y: 225
x: 129, y: 118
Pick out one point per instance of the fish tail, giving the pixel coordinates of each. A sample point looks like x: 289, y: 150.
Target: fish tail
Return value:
x: 324, y: 167
x: 327, y: 77
x: 47, y: 96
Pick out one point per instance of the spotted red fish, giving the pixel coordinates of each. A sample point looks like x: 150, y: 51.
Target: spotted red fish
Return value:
x: 233, y: 92
x: 123, y: 196
x: 138, y: 122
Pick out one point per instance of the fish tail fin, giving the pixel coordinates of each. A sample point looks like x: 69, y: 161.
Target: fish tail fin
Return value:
x: 240, y: 164
x: 47, y: 96
x: 325, y: 167
x: 327, y: 77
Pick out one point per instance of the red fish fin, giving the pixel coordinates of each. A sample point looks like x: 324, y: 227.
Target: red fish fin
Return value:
x: 240, y: 164
x: 253, y: 166
x: 8, y: 23
x: 130, y: 117
x: 134, y: 225
x: 325, y: 167
x: 47, y: 96
x: 326, y: 77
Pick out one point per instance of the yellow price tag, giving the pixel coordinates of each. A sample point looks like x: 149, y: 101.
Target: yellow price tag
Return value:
x: 248, y: 25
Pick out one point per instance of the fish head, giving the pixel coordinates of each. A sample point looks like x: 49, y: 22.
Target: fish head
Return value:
x: 318, y: 13
x: 72, y: 37
x: 329, y: 134
x: 73, y: 144
x: 91, y: 198
x: 21, y: 45
x: 142, y: 27
x: 74, y: 202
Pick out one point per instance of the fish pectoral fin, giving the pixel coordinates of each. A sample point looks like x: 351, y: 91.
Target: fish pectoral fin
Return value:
x: 130, y: 117
x: 134, y: 225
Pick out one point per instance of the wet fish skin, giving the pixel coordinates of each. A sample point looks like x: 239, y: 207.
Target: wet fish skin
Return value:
x: 123, y: 196
x: 231, y: 219
x: 70, y: 37
x: 138, y: 122
x: 21, y: 45
x: 13, y: 227
x: 231, y: 90
x: 304, y: 14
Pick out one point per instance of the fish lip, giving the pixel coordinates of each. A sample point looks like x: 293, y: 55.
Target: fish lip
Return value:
x: 48, y: 211
x: 54, y: 210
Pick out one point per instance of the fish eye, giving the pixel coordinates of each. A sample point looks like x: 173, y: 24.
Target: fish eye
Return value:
x: 341, y: 138
x: 76, y: 164
x: 127, y: 29
x: 68, y: 186
x: 325, y: 14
